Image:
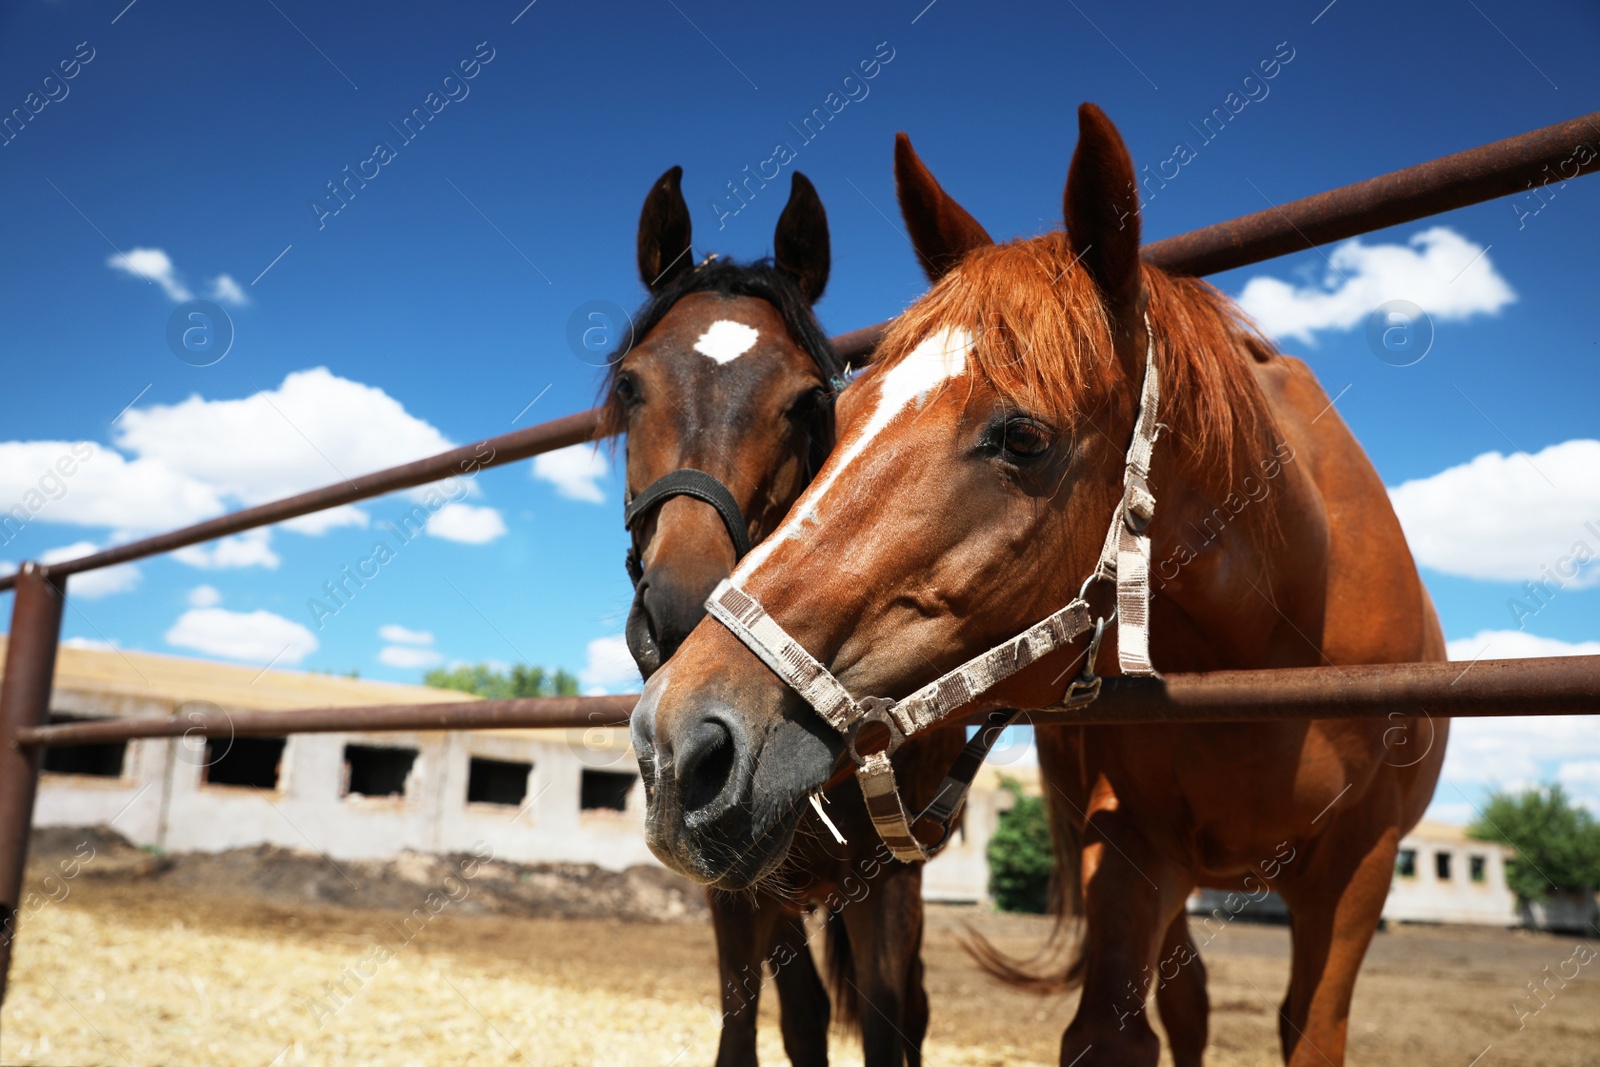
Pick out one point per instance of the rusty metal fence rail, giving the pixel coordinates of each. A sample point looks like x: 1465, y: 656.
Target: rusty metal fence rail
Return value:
x: 1509, y: 687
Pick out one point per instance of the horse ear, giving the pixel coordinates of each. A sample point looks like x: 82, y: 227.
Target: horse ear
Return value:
x: 800, y: 244
x: 941, y: 230
x: 1102, y: 211
x: 664, y: 233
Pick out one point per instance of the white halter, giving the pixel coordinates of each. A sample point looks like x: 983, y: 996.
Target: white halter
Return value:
x: 1124, y: 558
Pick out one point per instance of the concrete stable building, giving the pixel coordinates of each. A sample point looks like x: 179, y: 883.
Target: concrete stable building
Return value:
x: 1443, y: 876
x: 535, y: 796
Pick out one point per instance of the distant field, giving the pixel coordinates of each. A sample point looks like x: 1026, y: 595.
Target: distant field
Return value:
x: 133, y: 972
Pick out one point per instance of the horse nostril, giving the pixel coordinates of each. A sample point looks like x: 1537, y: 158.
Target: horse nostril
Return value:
x: 705, y: 764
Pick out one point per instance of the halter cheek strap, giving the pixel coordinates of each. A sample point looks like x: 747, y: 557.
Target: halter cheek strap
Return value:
x: 1124, y: 558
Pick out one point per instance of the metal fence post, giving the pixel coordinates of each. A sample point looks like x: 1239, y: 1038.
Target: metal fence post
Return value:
x: 24, y: 701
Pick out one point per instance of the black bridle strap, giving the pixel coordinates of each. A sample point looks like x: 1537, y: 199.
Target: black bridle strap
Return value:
x: 698, y: 484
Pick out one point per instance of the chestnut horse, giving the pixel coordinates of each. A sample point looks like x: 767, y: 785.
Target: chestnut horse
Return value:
x: 727, y: 405
x: 969, y: 496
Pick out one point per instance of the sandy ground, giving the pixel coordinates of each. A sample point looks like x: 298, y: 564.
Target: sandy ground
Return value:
x: 132, y: 973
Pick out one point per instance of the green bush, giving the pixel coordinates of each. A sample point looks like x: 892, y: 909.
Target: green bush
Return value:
x: 1557, y: 843
x: 1020, y: 859
x: 522, y: 681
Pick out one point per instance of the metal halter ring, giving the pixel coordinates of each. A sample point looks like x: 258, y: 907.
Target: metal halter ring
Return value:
x: 873, y: 709
x: 1085, y: 688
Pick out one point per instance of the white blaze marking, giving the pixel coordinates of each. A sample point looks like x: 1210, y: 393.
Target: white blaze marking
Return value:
x: 726, y: 340
x: 939, y: 359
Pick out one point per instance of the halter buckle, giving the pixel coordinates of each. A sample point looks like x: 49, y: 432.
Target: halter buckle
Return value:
x: 873, y: 710
x: 1082, y: 691
x: 1085, y: 689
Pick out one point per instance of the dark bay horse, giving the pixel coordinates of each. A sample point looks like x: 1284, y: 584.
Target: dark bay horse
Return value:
x: 968, y: 498
x: 727, y: 404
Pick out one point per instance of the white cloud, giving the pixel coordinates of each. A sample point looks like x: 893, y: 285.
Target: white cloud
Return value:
x: 318, y: 522
x: 499, y: 666
x: 204, y: 596
x: 466, y: 523
x: 408, y: 651
x: 408, y: 657
x: 104, y: 488
x: 92, y: 585
x: 1516, y: 644
x: 1453, y: 812
x: 576, y: 471
x: 1516, y: 753
x: 253, y: 548
x: 152, y: 264
x: 193, y: 460
x: 255, y: 637
x: 93, y: 644
x: 397, y: 634
x: 610, y: 666
x: 1580, y: 774
x: 315, y: 428
x: 1510, y: 752
x: 1508, y: 518
x: 224, y: 290
x: 1439, y: 270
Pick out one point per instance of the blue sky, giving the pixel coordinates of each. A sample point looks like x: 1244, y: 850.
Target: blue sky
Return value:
x: 184, y: 156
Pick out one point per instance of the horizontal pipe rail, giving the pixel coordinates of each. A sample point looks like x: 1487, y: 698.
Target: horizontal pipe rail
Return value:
x: 1555, y: 685
x: 578, y: 713
x: 1561, y: 685
x: 1465, y: 178
x: 1513, y: 165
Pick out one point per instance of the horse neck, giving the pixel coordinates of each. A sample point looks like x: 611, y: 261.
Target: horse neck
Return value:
x: 1236, y: 554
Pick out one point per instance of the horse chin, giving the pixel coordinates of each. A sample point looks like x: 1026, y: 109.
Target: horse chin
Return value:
x: 753, y: 866
x: 732, y: 853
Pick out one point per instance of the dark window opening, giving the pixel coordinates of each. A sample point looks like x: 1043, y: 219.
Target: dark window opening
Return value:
x: 100, y: 761
x: 1405, y: 864
x: 370, y: 771
x: 605, y: 790
x: 1478, y: 868
x: 493, y: 781
x: 1441, y: 865
x: 250, y: 761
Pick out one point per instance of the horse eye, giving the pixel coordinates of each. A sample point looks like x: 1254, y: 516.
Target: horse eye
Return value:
x: 1024, y: 439
x: 626, y: 391
x: 808, y: 405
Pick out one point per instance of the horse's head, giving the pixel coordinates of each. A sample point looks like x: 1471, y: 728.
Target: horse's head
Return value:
x: 976, y: 473
x: 732, y: 378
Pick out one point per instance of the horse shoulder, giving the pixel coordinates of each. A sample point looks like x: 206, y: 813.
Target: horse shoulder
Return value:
x: 1377, y: 609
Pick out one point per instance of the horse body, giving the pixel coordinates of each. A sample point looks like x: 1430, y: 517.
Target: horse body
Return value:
x: 732, y: 377
x: 968, y: 497
x: 1312, y: 810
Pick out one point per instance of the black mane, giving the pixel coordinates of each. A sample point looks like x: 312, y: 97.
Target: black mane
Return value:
x: 762, y: 280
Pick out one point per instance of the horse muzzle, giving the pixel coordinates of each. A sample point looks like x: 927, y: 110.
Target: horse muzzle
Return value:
x: 717, y: 812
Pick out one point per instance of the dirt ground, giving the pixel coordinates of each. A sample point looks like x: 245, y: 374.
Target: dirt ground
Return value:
x: 128, y: 966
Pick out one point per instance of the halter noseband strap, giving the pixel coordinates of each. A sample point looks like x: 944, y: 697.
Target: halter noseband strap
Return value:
x: 687, y: 481
x: 1124, y: 558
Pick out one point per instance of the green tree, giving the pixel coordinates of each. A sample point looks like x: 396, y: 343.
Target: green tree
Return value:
x: 521, y: 681
x: 1020, y: 859
x: 1557, y: 842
